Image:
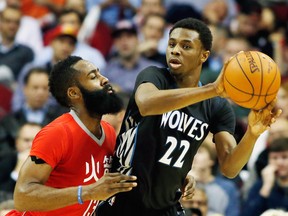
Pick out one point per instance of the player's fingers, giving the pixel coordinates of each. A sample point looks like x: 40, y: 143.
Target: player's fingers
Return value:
x: 189, y: 189
x: 272, y: 105
x: 278, y: 113
x: 188, y: 195
x: 118, y: 177
x: 114, y: 191
x: 122, y: 185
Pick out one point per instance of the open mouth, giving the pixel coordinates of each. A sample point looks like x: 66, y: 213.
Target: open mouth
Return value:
x: 174, y: 63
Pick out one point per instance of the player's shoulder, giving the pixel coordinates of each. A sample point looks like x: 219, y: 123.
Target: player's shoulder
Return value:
x: 155, y: 69
x: 219, y: 102
x: 59, y: 123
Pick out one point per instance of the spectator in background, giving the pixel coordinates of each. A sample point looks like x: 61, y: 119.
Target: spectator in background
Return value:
x: 7, y: 86
x: 63, y: 39
x: 199, y: 201
x: 12, y: 54
x: 23, y: 143
x: 113, y: 10
x: 146, y: 8
x: 278, y: 130
x: 259, y: 157
x: 212, y: 6
x: 77, y: 5
x: 282, y: 96
x: 123, y: 68
x: 34, y: 108
x: 74, y: 19
x: 270, y: 192
x: 285, y: 55
x: 45, y: 11
x: 215, y: 12
x: 29, y: 32
x: 223, y: 195
x: 248, y: 24
x: 101, y: 18
x: 152, y: 31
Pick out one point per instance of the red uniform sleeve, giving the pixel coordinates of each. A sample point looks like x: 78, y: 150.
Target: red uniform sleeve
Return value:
x: 49, y: 144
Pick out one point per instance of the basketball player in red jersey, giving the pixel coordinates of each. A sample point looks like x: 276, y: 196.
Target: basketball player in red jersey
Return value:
x: 67, y: 170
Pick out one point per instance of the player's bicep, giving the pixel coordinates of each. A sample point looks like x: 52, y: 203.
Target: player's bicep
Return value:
x: 34, y: 172
x: 144, y: 96
x: 145, y: 90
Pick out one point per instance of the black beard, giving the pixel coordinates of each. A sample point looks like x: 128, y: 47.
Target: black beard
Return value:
x: 101, y: 102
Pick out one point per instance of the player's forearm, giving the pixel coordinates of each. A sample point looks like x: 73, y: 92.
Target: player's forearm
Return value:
x: 37, y: 197
x: 159, y: 102
x: 239, y: 156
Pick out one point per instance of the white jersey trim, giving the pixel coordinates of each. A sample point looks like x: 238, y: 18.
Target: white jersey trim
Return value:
x: 80, y: 123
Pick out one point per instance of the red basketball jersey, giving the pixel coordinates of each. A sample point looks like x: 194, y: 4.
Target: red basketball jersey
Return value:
x: 76, y: 156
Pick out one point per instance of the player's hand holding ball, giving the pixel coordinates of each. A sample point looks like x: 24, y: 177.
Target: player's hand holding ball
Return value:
x: 219, y: 83
x: 261, y: 120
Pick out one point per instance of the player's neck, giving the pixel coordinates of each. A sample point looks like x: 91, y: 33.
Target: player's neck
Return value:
x: 92, y: 123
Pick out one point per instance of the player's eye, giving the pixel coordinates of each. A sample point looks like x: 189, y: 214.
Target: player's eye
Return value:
x: 92, y: 76
x: 171, y: 44
x: 186, y: 46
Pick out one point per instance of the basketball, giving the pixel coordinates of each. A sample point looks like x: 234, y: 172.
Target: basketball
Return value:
x: 252, y: 79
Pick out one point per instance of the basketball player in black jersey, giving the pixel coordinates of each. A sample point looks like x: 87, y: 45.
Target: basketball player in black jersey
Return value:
x: 169, y: 115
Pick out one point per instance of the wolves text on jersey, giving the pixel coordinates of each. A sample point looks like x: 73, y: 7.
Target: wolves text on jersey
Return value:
x: 189, y: 125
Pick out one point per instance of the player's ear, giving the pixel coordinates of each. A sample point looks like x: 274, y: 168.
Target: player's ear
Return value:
x: 204, y: 55
x: 73, y: 93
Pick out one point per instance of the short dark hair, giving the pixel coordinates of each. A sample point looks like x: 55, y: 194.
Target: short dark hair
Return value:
x: 199, y: 26
x: 63, y: 76
x: 278, y: 145
x: 34, y: 70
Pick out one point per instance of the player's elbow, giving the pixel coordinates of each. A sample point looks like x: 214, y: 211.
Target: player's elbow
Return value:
x: 144, y: 111
x: 143, y: 107
x: 19, y: 203
x: 228, y: 172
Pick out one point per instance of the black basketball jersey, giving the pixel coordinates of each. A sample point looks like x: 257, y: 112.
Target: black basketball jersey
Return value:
x: 159, y: 149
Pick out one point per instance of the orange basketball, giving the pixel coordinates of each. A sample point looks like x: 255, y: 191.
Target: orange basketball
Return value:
x: 252, y: 79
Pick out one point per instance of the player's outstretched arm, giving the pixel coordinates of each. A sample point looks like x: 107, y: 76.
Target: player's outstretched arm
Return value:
x: 232, y: 156
x: 32, y: 195
x: 152, y: 101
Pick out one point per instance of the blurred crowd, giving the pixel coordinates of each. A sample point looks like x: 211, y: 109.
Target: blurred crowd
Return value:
x: 122, y: 37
